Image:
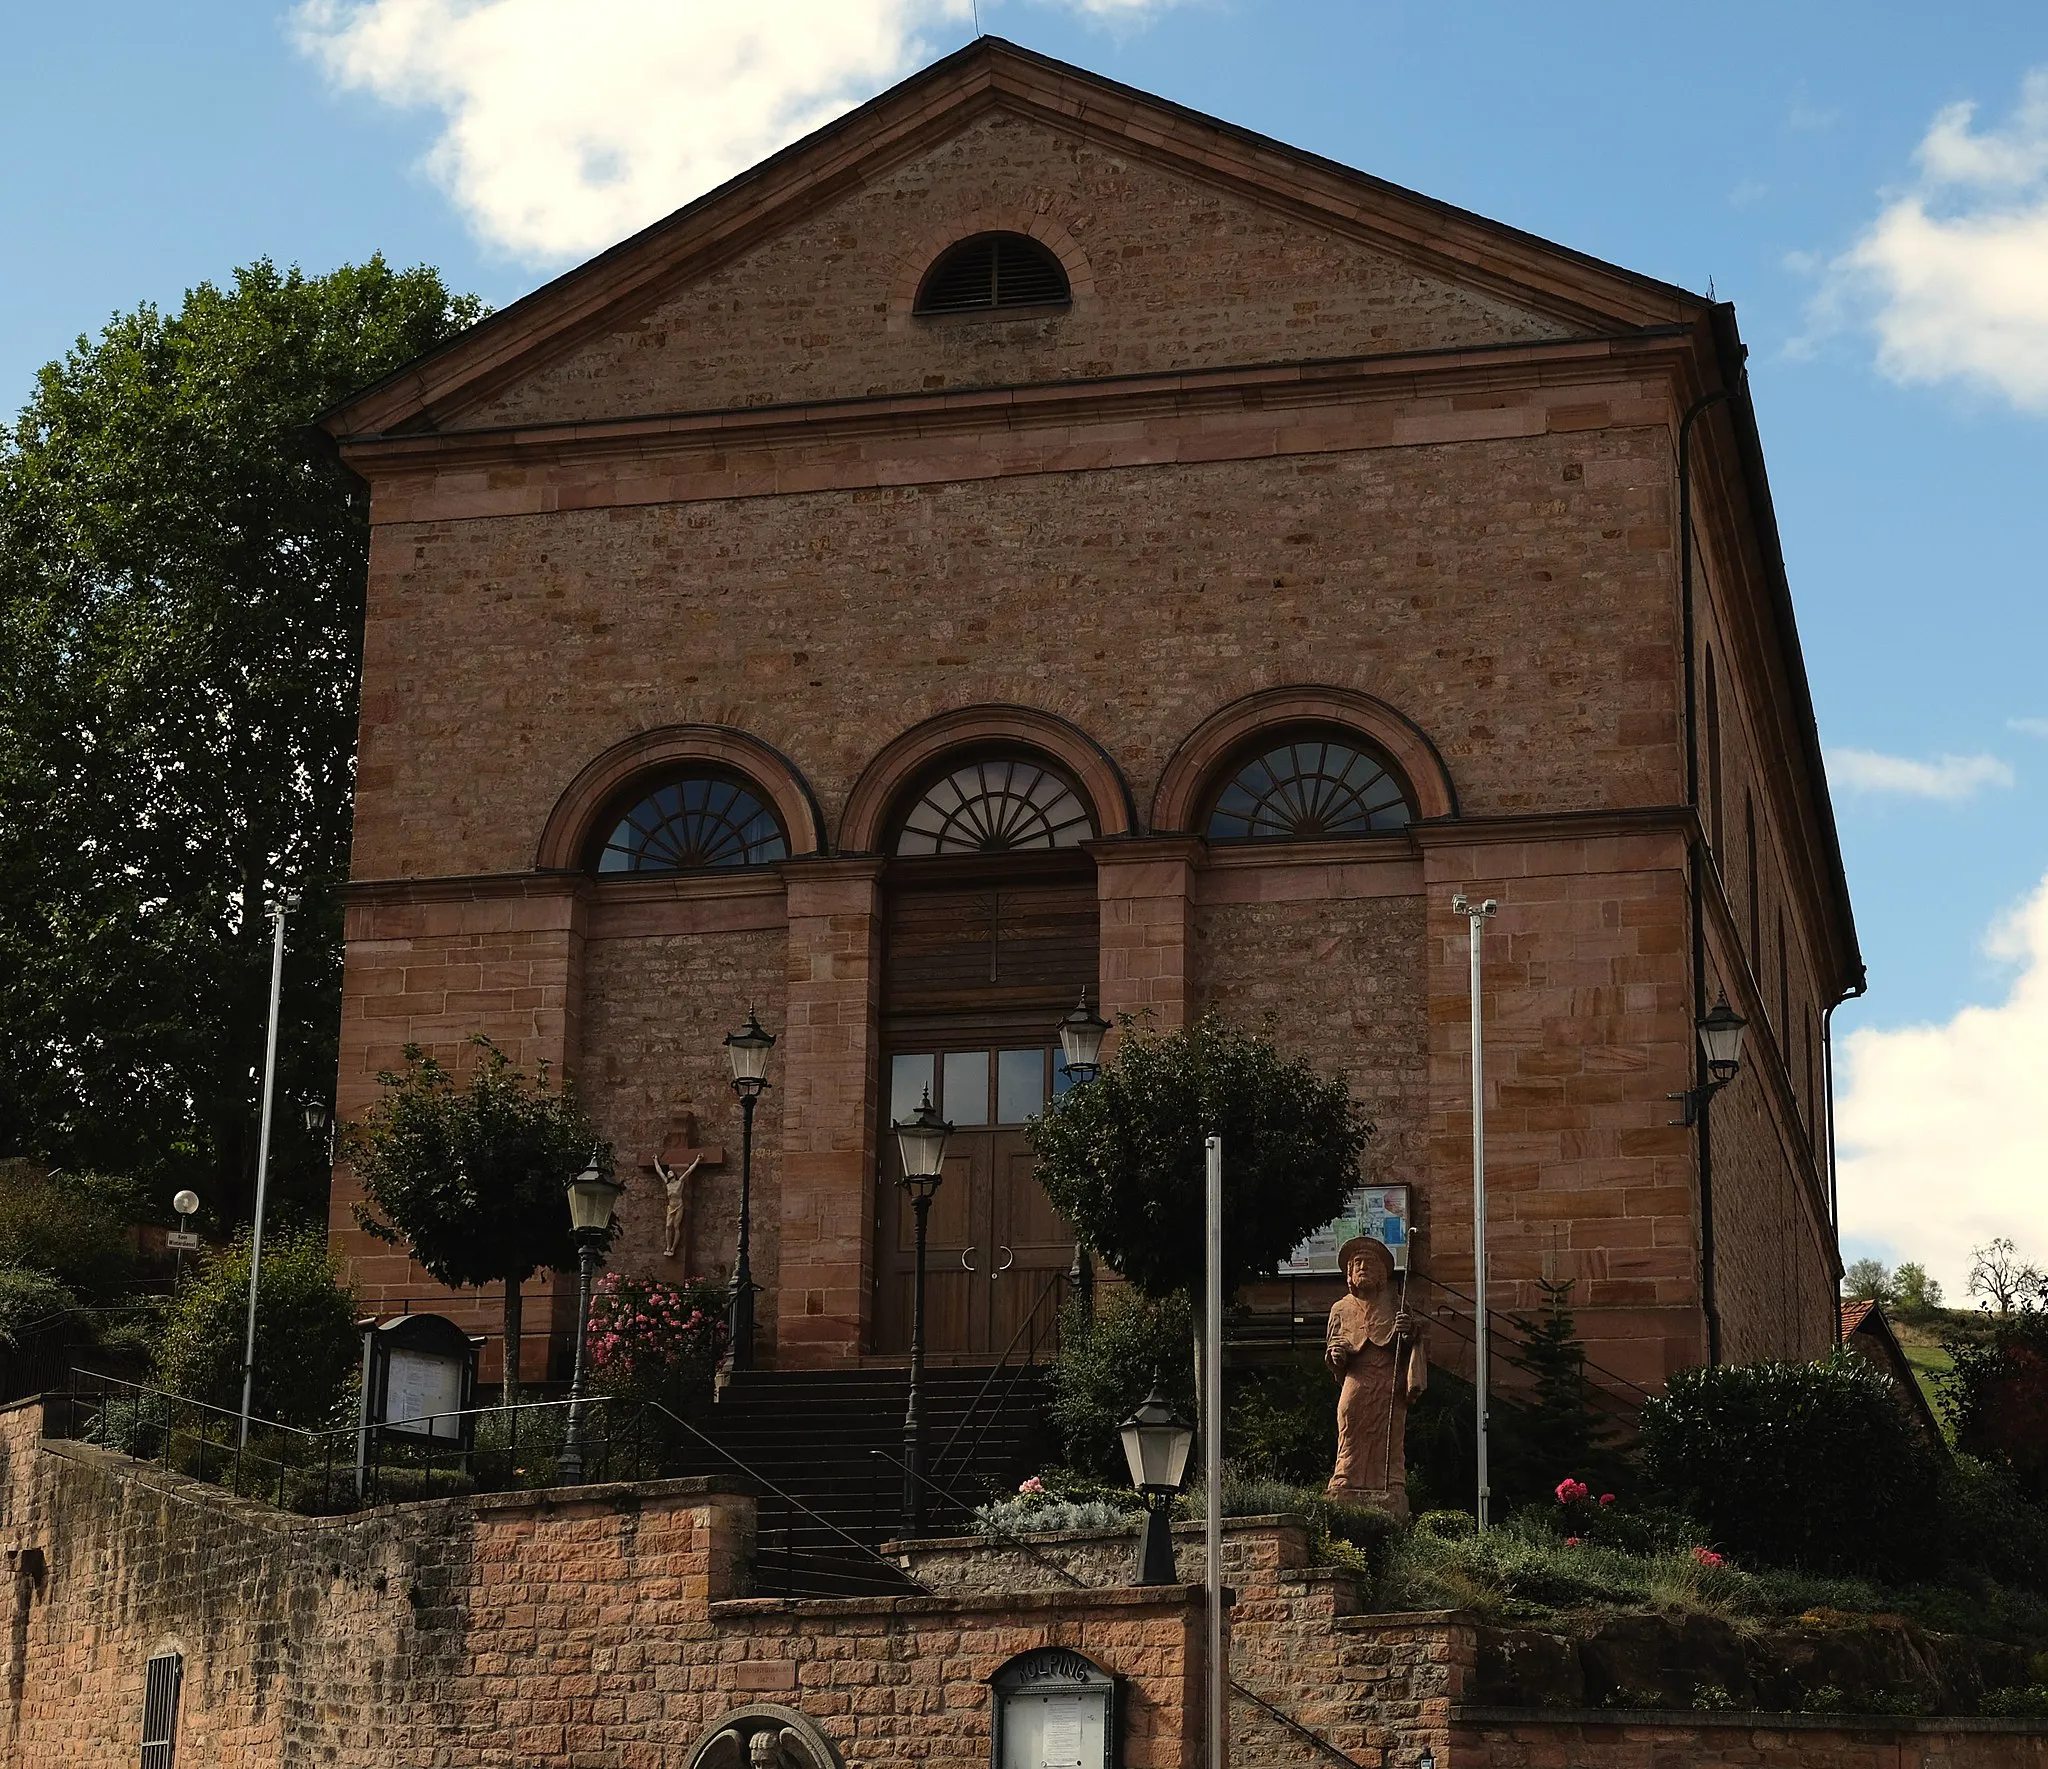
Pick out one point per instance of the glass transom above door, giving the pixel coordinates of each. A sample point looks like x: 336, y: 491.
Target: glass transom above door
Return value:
x: 968, y: 1085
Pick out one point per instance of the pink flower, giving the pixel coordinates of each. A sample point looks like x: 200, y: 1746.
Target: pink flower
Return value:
x: 1033, y: 1485
x: 1606, y: 1498
x: 1708, y: 1558
x: 1570, y: 1491
x: 1575, y: 1541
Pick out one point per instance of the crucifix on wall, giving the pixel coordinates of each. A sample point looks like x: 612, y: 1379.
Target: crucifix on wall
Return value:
x: 680, y: 1159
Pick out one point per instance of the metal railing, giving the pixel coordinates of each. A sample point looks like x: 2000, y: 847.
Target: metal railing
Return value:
x: 42, y: 1352
x: 798, y: 1551
x: 1037, y: 1337
x: 347, y: 1468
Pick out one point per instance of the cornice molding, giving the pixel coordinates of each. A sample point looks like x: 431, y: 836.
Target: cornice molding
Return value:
x: 1547, y: 363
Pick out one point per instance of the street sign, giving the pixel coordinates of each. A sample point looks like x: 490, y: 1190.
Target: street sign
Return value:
x: 180, y: 1241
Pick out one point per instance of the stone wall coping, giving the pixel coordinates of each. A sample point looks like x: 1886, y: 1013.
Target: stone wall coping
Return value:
x: 621, y: 1495
x: 1004, y: 1604
x: 1059, y: 1537
x: 1410, y: 1618
x: 1691, y: 1719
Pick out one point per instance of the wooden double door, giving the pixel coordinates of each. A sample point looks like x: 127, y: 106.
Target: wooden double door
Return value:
x: 977, y: 971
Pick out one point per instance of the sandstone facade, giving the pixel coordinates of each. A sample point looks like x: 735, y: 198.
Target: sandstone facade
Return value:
x: 1303, y: 450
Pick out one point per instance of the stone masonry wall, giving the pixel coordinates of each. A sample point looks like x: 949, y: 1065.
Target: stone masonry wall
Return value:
x: 656, y: 1012
x: 598, y: 1628
x: 1171, y: 272
x: 1338, y: 980
x: 1530, y: 632
x: 595, y: 1628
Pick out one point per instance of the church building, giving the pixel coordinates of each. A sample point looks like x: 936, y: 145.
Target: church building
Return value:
x: 1029, y: 540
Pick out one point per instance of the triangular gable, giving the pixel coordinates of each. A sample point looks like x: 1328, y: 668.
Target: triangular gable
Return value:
x: 1389, y: 248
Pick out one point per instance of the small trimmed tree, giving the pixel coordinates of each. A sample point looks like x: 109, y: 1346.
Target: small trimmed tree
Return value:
x: 307, y: 1347
x: 472, y: 1178
x: 1122, y: 1158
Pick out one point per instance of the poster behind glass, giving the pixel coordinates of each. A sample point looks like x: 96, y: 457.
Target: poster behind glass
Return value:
x: 1378, y: 1211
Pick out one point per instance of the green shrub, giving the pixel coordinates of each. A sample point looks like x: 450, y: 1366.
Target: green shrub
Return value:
x: 1815, y: 1466
x: 1989, y: 1526
x: 76, y: 1228
x: 2024, y: 1700
x: 1555, y: 1426
x: 28, y: 1297
x: 1106, y: 1366
x: 1996, y: 1397
x: 307, y: 1347
x: 1025, y: 1513
x: 1281, y: 1422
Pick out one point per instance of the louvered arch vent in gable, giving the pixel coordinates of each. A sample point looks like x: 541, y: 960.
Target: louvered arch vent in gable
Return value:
x: 991, y: 272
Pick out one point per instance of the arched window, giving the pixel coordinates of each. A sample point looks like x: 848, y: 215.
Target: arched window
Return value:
x: 1001, y: 805
x: 696, y: 821
x: 991, y: 271
x: 1308, y: 786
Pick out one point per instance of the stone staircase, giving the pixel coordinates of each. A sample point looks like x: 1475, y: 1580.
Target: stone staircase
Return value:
x: 812, y: 1434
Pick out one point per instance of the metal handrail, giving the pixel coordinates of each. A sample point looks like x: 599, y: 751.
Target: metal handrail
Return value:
x: 897, y: 1574
x: 1500, y: 1318
x: 1054, y: 1284
x: 315, y: 1449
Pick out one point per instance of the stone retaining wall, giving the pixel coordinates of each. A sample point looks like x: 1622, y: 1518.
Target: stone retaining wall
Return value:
x: 606, y: 1627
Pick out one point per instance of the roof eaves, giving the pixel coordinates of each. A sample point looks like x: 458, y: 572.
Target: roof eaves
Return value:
x: 1731, y: 353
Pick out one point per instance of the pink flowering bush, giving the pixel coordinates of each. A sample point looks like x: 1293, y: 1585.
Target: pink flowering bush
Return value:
x: 1604, y: 1521
x: 1708, y: 1558
x: 655, y: 1341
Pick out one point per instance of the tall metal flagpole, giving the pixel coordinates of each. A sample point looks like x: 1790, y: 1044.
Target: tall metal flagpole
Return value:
x: 1477, y: 914
x: 283, y: 908
x: 1212, y: 1449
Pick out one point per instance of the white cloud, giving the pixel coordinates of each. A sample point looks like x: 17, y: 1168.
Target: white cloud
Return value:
x: 567, y: 127
x: 2032, y: 727
x: 1944, y: 1129
x: 1953, y: 274
x: 1952, y: 777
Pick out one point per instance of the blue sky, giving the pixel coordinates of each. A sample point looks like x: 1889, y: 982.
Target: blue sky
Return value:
x: 1757, y: 147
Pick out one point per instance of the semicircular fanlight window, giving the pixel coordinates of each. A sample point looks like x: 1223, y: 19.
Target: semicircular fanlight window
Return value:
x: 996, y: 807
x: 687, y: 825
x: 1308, y: 787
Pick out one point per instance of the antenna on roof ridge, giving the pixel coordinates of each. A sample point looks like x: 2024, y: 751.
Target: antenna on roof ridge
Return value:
x: 977, y: 16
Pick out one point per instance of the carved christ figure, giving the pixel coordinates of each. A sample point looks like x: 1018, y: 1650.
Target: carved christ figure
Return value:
x: 673, y: 1180
x: 1375, y: 1352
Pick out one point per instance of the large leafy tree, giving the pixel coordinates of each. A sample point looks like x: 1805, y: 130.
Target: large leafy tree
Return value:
x: 1122, y: 1158
x: 472, y: 1178
x: 181, y: 594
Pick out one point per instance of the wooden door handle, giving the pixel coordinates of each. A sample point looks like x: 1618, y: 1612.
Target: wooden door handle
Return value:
x: 1009, y: 1259
x: 967, y: 1264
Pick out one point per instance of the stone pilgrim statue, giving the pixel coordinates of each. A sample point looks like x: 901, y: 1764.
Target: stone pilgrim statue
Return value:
x: 1376, y: 1353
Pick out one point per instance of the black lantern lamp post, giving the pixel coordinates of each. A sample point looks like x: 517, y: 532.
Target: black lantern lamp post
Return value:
x: 592, y: 1194
x: 320, y: 1126
x: 748, y: 1050
x: 1156, y: 1445
x: 1081, y: 1036
x: 921, y: 1142
x: 1720, y: 1035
